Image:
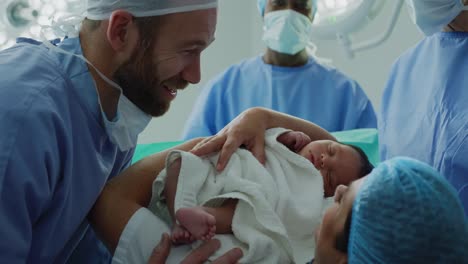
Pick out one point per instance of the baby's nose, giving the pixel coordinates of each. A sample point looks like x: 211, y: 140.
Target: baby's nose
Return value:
x: 322, y: 160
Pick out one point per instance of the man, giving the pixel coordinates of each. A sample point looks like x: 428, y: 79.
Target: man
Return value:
x: 285, y: 78
x: 424, y: 112
x: 69, y: 125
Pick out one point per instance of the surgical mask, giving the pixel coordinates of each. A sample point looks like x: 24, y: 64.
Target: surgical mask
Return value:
x: 431, y: 16
x: 286, y: 31
x: 130, y: 120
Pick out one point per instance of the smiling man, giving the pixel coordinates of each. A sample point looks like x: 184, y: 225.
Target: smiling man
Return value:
x: 70, y: 116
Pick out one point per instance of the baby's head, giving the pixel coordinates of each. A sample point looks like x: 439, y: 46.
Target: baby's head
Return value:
x: 338, y: 163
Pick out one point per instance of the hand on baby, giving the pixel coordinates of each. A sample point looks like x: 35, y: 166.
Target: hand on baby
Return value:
x: 294, y: 140
x: 247, y: 129
x: 198, y: 255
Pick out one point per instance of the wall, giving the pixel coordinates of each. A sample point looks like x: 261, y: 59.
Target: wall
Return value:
x: 238, y: 36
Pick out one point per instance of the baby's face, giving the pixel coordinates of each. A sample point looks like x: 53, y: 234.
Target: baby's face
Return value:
x: 337, y: 163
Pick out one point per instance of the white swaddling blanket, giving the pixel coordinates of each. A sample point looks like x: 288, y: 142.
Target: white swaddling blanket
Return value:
x: 280, y: 204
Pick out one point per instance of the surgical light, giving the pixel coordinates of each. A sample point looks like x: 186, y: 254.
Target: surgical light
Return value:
x: 338, y: 19
x: 25, y: 18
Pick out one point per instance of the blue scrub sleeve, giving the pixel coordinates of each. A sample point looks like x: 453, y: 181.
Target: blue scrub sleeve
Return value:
x: 367, y: 118
x: 459, y: 172
x: 27, y: 161
x: 204, y: 117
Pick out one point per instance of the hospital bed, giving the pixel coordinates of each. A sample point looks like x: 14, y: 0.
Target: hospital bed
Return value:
x: 138, y: 246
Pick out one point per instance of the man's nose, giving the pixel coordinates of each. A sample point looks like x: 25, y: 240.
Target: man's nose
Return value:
x: 191, y: 72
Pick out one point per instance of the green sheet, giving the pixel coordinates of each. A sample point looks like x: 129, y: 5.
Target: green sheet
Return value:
x: 143, y: 150
x: 366, y: 139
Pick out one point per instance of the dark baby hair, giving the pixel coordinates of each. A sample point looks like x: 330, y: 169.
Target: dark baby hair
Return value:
x: 366, y: 165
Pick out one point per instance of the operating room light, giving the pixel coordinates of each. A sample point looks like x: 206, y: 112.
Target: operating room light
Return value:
x: 335, y: 19
x: 338, y: 19
x: 25, y: 18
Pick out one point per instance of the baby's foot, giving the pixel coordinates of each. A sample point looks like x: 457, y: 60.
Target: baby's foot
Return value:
x: 180, y: 235
x: 197, y: 221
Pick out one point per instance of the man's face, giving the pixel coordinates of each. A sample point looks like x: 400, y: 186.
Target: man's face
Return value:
x: 338, y: 164
x: 333, y: 225
x: 152, y: 76
x: 301, y: 6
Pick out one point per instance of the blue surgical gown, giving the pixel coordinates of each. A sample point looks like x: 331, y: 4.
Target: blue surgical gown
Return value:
x: 55, y: 155
x: 312, y: 92
x: 424, y: 111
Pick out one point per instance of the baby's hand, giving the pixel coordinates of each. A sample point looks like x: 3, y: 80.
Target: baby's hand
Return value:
x: 294, y: 140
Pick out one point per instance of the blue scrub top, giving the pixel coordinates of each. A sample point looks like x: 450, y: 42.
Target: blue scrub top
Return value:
x: 55, y: 155
x: 313, y: 92
x: 424, y: 111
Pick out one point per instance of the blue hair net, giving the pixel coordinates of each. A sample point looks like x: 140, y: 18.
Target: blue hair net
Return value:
x: 405, y: 212
x: 261, y: 6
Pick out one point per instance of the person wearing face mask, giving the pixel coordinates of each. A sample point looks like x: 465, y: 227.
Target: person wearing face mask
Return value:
x: 424, y: 111
x: 70, y: 114
x: 285, y: 78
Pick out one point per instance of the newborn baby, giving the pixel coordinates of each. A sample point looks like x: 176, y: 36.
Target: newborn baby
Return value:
x: 297, y: 170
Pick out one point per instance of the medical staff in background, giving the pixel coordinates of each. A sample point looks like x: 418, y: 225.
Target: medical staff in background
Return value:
x: 285, y: 78
x: 70, y: 115
x: 424, y: 111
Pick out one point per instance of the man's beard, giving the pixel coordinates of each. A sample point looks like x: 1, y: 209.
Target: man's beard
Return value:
x: 140, y: 85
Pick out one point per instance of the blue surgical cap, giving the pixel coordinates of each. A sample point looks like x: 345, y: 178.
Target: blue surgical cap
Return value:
x: 405, y: 212
x: 261, y: 6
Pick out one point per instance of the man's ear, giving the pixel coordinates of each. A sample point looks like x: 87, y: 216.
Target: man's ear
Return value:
x: 121, y: 31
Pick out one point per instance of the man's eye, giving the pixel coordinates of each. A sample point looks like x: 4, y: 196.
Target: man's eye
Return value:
x: 190, y: 51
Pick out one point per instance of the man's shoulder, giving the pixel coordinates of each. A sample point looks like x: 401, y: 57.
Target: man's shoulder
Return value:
x: 418, y: 50
x: 243, y: 66
x: 27, y: 51
x: 28, y: 74
x: 327, y: 72
x: 247, y: 63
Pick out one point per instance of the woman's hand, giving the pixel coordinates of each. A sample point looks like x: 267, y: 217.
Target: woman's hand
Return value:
x: 247, y: 130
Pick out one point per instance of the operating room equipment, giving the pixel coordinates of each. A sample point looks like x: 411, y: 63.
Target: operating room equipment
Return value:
x: 24, y: 18
x: 335, y: 19
x: 339, y: 19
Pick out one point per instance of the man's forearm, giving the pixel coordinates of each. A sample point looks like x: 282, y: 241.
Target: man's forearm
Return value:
x: 125, y: 194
